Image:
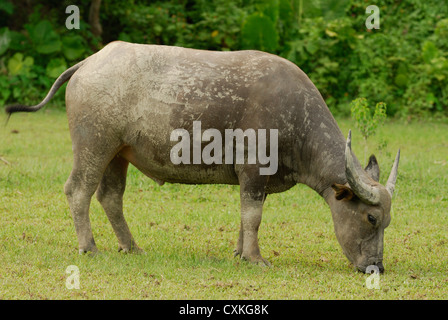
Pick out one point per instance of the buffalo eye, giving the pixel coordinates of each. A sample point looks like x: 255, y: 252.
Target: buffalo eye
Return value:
x: 371, y: 219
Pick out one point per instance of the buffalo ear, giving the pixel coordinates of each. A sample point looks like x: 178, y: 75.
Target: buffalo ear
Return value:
x: 342, y: 192
x: 373, y: 169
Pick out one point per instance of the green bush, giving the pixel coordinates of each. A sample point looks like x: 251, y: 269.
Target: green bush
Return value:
x: 34, y: 56
x: 404, y: 63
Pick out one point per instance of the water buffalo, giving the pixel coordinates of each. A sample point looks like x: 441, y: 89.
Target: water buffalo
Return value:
x: 124, y: 102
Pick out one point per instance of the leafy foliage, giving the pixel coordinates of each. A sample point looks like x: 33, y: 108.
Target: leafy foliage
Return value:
x: 404, y: 63
x: 367, y: 120
x: 35, y: 55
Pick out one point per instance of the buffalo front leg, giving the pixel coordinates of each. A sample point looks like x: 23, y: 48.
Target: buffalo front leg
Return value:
x: 252, y: 196
x: 239, y: 248
x: 110, y: 195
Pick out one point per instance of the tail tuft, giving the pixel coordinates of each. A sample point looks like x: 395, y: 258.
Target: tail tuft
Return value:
x: 18, y: 108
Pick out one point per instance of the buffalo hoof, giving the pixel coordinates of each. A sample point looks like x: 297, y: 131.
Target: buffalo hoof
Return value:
x: 133, y: 249
x: 377, y: 267
x: 236, y: 253
x: 263, y: 262
x: 258, y: 260
x: 89, y: 252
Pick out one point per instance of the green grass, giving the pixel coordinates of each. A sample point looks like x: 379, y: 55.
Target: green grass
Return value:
x: 189, y: 232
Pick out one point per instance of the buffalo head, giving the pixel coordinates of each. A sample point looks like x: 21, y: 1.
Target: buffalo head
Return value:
x: 361, y: 210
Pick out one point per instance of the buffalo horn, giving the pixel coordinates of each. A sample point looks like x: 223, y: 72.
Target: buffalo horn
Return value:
x: 358, y: 179
x: 390, y: 185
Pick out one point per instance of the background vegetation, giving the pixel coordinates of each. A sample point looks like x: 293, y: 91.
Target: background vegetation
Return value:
x: 403, y: 64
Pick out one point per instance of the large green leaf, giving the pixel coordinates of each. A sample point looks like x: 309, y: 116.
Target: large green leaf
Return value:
x: 73, y: 47
x: 45, y: 39
x: 17, y: 64
x: 259, y: 32
x: 5, y: 40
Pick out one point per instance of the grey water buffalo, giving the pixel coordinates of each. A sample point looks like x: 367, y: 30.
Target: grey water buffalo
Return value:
x: 125, y: 101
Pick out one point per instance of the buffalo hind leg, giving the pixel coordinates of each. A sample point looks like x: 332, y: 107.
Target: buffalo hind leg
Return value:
x: 87, y: 170
x: 252, y: 196
x: 110, y: 195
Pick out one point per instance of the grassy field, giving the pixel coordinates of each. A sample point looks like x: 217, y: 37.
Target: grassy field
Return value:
x: 189, y: 232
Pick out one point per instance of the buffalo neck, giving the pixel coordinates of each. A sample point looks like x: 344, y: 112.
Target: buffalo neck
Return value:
x: 321, y: 153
